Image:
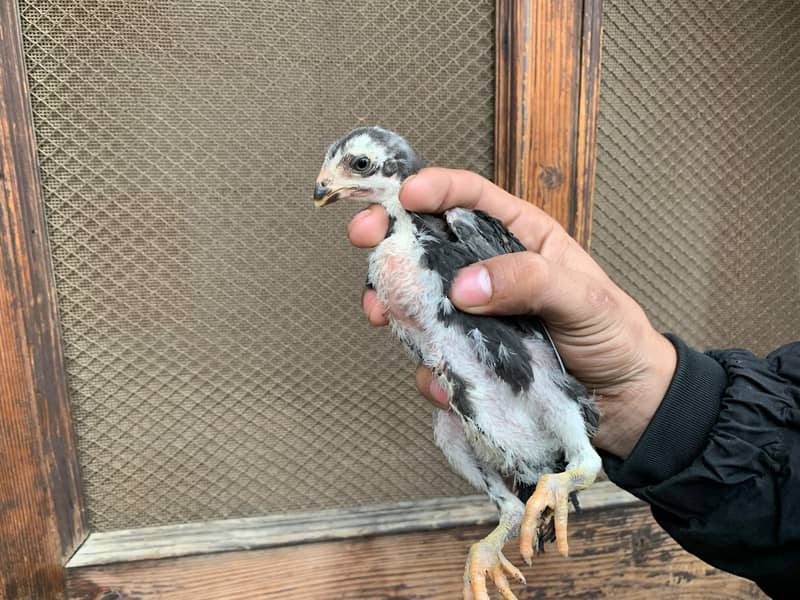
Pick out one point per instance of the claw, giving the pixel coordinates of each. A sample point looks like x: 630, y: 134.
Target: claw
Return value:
x: 487, y: 559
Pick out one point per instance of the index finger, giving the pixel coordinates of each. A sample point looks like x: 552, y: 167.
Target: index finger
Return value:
x: 435, y: 190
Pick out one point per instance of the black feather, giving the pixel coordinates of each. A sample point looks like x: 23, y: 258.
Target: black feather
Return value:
x: 467, y: 237
x: 449, y: 249
x: 458, y: 396
x: 576, y: 390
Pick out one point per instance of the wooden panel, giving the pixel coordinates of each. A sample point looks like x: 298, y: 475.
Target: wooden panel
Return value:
x: 619, y: 553
x: 207, y: 537
x: 42, y: 512
x: 548, y: 65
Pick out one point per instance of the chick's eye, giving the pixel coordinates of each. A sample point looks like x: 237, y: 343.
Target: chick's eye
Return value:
x: 361, y: 164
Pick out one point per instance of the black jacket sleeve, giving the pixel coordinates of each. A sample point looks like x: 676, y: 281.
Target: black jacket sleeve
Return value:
x: 720, y: 463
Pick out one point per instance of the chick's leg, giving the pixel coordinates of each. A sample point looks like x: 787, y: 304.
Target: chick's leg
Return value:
x: 486, y: 556
x: 485, y: 559
x: 553, y: 490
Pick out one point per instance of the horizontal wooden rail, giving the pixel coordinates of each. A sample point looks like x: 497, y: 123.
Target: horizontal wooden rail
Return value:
x: 207, y: 537
x: 616, y: 553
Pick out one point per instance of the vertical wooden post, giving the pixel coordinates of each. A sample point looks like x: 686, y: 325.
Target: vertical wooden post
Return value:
x: 548, y: 74
x: 41, y: 507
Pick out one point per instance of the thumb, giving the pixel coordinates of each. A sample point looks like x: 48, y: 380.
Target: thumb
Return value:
x: 526, y: 282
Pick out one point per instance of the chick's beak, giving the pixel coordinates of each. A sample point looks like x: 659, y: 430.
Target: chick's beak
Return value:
x: 325, y: 193
x: 320, y: 192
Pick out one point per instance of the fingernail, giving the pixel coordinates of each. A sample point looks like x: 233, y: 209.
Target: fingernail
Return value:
x: 472, y: 286
x: 438, y: 393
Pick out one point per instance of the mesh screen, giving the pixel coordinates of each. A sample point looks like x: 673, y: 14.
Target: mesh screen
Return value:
x: 697, y: 211
x: 218, y: 361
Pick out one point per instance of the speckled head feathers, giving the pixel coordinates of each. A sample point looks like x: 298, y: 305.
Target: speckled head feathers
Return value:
x: 365, y: 164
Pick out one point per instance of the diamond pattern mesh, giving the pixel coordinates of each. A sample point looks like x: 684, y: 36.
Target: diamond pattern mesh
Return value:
x: 218, y: 361
x: 697, y: 207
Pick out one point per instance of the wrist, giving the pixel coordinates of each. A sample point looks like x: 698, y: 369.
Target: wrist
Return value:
x: 627, y: 409
x: 680, y: 429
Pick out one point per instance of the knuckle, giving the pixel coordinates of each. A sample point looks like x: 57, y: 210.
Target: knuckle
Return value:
x: 600, y: 297
x: 518, y: 280
x: 559, y: 244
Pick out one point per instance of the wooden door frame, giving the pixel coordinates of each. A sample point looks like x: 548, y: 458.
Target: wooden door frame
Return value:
x: 546, y: 103
x: 43, y: 519
x: 547, y: 86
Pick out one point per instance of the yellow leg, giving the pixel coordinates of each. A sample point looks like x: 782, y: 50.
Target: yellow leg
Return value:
x: 552, y: 491
x: 486, y: 558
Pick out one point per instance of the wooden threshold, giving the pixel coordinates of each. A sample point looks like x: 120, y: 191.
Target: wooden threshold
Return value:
x: 227, y: 535
x: 617, y: 552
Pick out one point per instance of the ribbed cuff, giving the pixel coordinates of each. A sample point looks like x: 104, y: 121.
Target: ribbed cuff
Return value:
x: 679, y: 429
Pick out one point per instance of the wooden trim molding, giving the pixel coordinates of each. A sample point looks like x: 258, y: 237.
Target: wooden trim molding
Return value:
x: 209, y: 537
x: 41, y: 507
x: 547, y: 89
x: 614, y: 553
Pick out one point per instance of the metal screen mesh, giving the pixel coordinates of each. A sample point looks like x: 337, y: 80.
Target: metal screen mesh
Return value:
x: 218, y: 361
x: 697, y: 204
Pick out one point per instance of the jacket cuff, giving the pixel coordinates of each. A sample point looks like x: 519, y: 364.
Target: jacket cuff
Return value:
x: 679, y: 429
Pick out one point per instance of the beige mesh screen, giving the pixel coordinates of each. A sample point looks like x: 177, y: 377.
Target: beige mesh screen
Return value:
x: 218, y: 361
x: 697, y: 205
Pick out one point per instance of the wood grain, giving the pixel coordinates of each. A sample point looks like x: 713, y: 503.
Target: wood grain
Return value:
x: 279, y: 530
x: 588, y: 105
x: 41, y: 509
x: 617, y: 553
x: 547, y: 84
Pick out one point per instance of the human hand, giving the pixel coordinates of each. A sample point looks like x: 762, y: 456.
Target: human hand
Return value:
x: 602, y: 334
